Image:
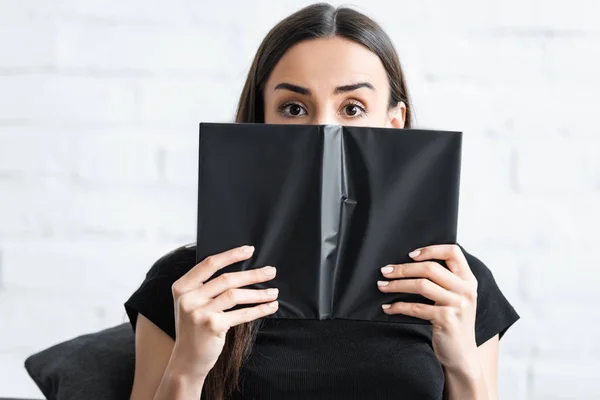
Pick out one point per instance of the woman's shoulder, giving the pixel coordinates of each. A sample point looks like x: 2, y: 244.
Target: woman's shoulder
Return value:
x: 479, y: 268
x: 174, y: 264
x: 153, y: 299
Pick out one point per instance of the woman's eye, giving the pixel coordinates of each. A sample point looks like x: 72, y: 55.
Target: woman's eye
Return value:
x: 293, y: 110
x: 354, y: 110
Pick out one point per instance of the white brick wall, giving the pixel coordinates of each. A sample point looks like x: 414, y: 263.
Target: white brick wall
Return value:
x: 99, y: 108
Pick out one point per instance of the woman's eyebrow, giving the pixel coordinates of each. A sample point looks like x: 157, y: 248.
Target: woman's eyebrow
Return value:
x: 338, y: 90
x: 293, y: 88
x: 354, y: 86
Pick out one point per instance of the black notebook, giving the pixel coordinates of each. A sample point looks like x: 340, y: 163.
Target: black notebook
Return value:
x: 328, y: 206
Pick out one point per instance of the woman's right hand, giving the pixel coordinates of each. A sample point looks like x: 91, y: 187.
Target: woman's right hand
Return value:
x: 201, y: 319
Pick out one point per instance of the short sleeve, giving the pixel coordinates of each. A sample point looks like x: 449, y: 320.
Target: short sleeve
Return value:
x: 154, y: 298
x: 494, y: 312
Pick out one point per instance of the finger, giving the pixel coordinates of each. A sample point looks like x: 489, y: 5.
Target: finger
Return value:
x: 200, y: 296
x: 233, y: 297
x: 451, y: 253
x: 431, y: 270
x: 202, y: 271
x: 424, y: 287
x: 231, y: 280
x: 248, y: 314
x: 418, y: 310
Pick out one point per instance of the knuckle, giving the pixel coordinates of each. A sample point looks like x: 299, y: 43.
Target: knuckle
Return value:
x: 211, y: 261
x: 176, y: 289
x: 471, y: 295
x: 246, y: 313
x: 211, y: 323
x: 258, y: 274
x: 198, y: 317
x: 415, y: 308
x: 455, y: 250
x: 464, y: 305
x: 430, y: 268
x: 421, y: 284
x: 268, y: 309
x: 404, y: 271
x: 185, y: 305
x: 447, y: 316
x: 231, y: 295
x: 227, y: 279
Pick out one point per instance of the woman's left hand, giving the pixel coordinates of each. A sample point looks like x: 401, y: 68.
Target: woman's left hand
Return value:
x: 454, y: 291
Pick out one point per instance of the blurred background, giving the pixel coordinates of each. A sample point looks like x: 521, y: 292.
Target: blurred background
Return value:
x: 100, y: 102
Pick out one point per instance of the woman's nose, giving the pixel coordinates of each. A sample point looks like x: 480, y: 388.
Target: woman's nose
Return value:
x: 324, y: 118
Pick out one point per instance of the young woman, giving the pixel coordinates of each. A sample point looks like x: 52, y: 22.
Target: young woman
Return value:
x: 321, y: 65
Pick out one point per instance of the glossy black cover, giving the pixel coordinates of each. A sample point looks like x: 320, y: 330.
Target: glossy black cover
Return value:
x: 328, y: 206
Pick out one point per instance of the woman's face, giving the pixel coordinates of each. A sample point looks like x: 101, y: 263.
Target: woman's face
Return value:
x: 331, y: 81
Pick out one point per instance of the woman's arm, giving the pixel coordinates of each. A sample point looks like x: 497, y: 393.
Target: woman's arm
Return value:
x: 479, y: 381
x: 178, y: 385
x: 157, y: 375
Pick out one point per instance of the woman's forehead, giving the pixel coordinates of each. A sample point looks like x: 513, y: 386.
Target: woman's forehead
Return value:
x: 324, y: 64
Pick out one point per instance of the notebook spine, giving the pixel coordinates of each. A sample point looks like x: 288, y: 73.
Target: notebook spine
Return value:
x: 348, y: 205
x: 337, y: 207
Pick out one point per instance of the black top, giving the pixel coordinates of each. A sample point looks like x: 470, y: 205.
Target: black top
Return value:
x: 331, y: 359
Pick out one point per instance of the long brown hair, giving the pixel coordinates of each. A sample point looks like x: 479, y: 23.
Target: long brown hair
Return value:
x: 312, y: 22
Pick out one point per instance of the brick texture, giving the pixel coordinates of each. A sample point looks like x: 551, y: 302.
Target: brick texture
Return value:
x: 99, y: 109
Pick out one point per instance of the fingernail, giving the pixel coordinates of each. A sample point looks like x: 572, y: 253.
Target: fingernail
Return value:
x: 387, y: 270
x: 273, y: 304
x: 385, y: 306
x: 382, y: 283
x: 272, y: 292
x: 269, y: 271
x: 248, y: 249
x: 414, y: 253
